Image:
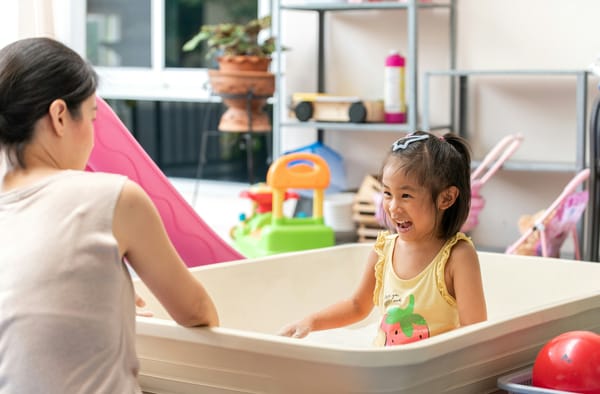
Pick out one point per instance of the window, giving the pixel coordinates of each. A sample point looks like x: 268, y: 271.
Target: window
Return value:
x: 184, y: 17
x: 136, y: 44
x: 118, y: 33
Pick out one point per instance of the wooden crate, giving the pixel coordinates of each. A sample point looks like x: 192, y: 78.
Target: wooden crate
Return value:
x: 363, y: 210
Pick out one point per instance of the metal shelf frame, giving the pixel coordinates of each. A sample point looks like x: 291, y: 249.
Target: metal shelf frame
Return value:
x: 411, y: 7
x: 459, y: 123
x: 459, y: 112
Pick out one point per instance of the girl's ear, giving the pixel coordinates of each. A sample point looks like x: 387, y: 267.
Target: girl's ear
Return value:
x: 57, y: 111
x: 447, y: 198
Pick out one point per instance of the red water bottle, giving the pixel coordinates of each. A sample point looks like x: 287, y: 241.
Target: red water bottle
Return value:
x: 394, y: 102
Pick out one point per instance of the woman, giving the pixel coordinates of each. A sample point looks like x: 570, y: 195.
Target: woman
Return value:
x: 67, y: 314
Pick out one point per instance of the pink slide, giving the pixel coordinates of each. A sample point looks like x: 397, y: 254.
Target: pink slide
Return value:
x: 116, y: 151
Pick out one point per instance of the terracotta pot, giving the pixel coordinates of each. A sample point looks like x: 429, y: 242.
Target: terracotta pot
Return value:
x: 243, y: 63
x: 235, y: 87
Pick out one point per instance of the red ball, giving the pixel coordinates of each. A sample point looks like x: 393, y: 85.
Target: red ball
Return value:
x: 569, y: 362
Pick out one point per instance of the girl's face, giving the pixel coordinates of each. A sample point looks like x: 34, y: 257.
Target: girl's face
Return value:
x: 408, y: 205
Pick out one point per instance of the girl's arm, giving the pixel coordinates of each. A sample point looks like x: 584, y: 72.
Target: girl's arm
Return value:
x: 463, y: 280
x: 342, y: 313
x: 143, y: 240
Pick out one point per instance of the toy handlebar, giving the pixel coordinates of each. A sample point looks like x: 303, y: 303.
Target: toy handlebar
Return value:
x: 300, y: 170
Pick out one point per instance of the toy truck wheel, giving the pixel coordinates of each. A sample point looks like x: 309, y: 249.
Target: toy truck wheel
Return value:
x: 304, y: 111
x: 357, y: 113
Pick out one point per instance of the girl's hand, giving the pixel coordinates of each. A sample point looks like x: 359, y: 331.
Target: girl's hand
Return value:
x: 296, y: 330
x: 139, y: 305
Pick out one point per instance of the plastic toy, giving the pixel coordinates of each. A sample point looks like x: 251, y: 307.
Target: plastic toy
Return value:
x: 335, y: 162
x: 262, y: 195
x: 261, y: 214
x: 270, y: 232
x: 544, y: 233
x: 491, y: 163
x: 116, y: 151
x: 329, y: 108
x: 569, y: 362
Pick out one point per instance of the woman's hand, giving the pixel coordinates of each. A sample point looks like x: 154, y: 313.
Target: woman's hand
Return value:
x: 139, y: 307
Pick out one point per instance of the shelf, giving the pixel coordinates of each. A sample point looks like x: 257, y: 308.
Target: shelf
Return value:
x: 540, y: 72
x: 541, y: 166
x: 390, y: 127
x: 458, y: 121
x: 411, y: 10
x: 384, y: 5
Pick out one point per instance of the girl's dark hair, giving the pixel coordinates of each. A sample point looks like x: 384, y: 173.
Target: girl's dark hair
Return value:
x: 33, y: 73
x: 437, y: 163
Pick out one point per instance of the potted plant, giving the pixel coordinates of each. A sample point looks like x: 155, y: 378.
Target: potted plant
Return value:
x: 236, y: 46
x: 243, y: 79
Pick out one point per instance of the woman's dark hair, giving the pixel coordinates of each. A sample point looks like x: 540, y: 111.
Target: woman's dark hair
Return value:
x: 437, y: 163
x: 33, y: 73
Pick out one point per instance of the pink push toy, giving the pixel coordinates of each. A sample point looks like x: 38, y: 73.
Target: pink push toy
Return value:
x: 116, y: 151
x: 550, y: 227
x: 491, y: 163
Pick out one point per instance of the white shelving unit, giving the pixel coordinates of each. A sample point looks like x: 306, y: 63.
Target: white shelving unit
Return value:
x: 408, y: 11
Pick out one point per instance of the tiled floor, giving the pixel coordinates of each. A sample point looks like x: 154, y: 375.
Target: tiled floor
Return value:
x: 217, y: 203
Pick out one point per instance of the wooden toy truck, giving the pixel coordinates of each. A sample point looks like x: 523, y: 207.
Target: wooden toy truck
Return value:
x: 329, y: 108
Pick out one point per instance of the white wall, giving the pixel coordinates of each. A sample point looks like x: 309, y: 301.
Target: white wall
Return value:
x: 514, y: 34
x: 60, y: 19
x: 8, y: 22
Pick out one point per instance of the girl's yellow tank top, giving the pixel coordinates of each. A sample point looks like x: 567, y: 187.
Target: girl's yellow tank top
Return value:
x: 416, y: 308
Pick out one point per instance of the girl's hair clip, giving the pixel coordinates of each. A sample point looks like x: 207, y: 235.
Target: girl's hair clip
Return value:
x: 403, y: 142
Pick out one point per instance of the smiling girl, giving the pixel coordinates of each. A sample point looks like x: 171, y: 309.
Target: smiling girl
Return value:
x: 423, y: 274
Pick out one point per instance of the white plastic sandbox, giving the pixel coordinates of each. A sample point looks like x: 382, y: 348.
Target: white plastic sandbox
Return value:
x: 530, y: 300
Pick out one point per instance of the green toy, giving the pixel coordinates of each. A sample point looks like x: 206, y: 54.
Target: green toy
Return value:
x: 268, y: 231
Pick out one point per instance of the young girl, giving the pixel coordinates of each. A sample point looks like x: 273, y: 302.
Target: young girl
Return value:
x: 424, y: 275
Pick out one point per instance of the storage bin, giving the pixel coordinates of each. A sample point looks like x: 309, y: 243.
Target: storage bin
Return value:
x: 520, y: 383
x: 530, y: 301
x: 337, y: 211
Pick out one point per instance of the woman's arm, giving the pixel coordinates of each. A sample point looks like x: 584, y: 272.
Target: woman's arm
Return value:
x: 464, y: 282
x: 342, y: 313
x: 143, y: 240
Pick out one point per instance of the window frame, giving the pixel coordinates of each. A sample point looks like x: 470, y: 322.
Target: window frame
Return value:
x: 156, y: 83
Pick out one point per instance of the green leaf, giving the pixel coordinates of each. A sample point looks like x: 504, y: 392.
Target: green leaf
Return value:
x: 415, y: 319
x: 194, y: 41
x: 265, y: 22
x: 411, y: 304
x: 235, y: 39
x: 395, y: 315
x: 407, y: 327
